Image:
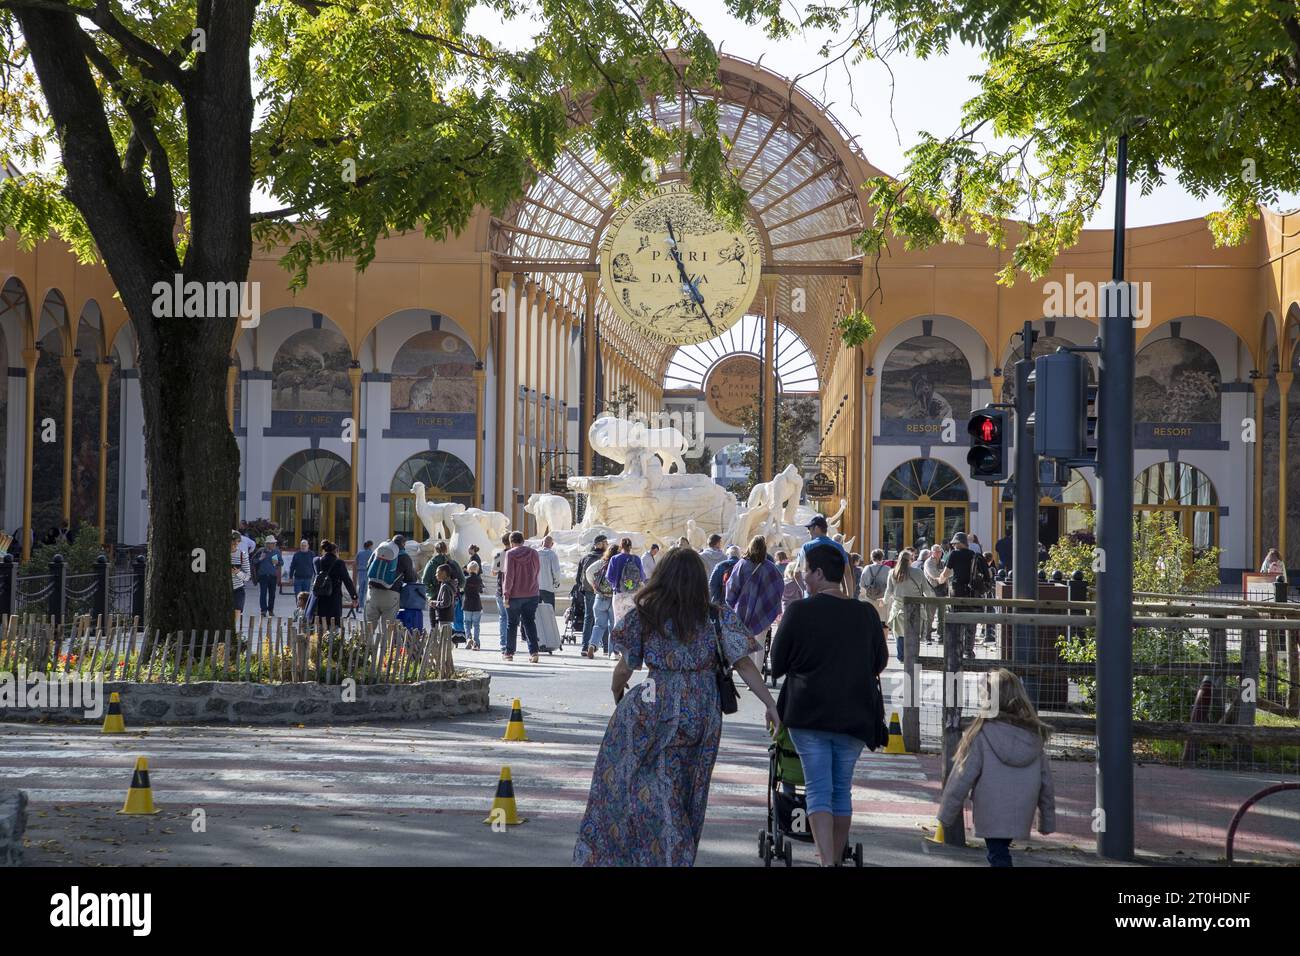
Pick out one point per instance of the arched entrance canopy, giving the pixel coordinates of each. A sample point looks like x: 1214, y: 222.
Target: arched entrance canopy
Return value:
x: 801, y: 174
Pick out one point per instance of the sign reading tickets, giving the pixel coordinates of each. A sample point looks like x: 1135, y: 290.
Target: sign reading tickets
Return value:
x: 671, y: 268
x: 732, y: 387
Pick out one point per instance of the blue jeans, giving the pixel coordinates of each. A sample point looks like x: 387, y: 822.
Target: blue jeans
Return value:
x: 472, y: 624
x: 458, y: 618
x: 522, y: 611
x: 999, y: 851
x: 266, y: 594
x: 363, y: 589
x: 828, y: 760
x: 588, y: 616
x: 503, y: 621
x: 602, y: 612
x: 301, y: 584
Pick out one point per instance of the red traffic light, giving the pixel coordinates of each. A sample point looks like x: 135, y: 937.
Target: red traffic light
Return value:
x: 985, y: 428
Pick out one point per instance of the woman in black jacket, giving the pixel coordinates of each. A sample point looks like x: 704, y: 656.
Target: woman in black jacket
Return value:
x: 831, y: 650
x: 329, y: 608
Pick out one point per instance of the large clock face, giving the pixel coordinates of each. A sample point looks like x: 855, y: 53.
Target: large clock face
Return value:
x: 670, y: 267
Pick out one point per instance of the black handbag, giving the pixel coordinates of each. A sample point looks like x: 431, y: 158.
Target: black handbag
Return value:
x: 728, y: 696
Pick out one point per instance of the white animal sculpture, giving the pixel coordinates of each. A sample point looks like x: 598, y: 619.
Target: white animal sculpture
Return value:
x: 552, y: 512
x: 833, y: 522
x: 435, y: 516
x: 475, y: 526
x: 780, y: 495
x: 618, y: 439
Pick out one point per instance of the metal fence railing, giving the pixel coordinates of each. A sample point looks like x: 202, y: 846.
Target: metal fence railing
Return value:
x: 105, y: 590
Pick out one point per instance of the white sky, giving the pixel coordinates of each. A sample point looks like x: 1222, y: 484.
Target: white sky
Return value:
x: 928, y: 96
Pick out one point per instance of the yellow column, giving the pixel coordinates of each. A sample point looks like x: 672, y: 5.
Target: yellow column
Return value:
x: 30, y: 358
x: 860, y: 499
x: 769, y: 463
x: 105, y: 370
x: 69, y: 365
x: 480, y: 390
x: 354, y: 375
x: 505, y: 282
x: 1261, y: 386
x: 1284, y: 380
x: 232, y: 382
x: 562, y: 371
x: 548, y: 377
x: 533, y: 397
x: 588, y: 404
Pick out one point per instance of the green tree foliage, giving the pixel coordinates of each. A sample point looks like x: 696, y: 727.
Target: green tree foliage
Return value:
x: 1217, y: 83
x: 1163, y: 563
x: 141, y: 129
x: 797, y: 420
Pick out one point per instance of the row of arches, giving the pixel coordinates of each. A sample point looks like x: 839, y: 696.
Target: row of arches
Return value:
x: 311, y: 494
x: 925, y: 500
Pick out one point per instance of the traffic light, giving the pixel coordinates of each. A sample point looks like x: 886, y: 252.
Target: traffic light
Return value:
x: 1060, y: 419
x: 990, y: 444
x: 1090, y: 441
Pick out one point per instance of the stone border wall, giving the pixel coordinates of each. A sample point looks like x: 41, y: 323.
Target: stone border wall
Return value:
x: 225, y: 702
x: 13, y: 821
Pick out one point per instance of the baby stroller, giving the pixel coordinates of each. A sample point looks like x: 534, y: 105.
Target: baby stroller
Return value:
x: 787, y: 813
x: 573, y: 618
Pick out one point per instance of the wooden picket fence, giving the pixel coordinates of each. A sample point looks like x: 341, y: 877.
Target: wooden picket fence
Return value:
x: 263, y: 650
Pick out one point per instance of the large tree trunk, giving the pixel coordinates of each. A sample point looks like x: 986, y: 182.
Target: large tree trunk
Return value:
x: 192, y: 461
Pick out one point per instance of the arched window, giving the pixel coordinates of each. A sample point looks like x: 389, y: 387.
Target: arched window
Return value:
x: 796, y: 370
x: 920, y: 500
x: 1060, y: 509
x: 311, y: 498
x: 310, y: 373
x: 1187, y: 492
x: 445, y: 478
x: 924, y: 381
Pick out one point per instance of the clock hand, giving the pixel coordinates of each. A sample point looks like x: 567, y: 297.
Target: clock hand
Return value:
x: 687, y: 285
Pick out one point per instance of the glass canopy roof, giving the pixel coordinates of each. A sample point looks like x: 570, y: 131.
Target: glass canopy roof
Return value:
x: 802, y: 199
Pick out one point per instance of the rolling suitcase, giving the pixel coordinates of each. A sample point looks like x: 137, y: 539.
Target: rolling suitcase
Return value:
x: 548, y: 631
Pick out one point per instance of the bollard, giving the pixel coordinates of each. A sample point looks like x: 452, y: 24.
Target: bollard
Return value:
x: 58, y: 593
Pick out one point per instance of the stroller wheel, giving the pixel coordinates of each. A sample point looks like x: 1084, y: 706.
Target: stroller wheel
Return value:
x: 857, y: 855
x: 762, y: 844
x: 789, y: 854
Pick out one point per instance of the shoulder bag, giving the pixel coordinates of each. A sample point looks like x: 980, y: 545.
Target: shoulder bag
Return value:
x: 728, y: 696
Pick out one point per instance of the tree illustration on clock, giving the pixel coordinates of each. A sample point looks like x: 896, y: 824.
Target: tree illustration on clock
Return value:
x: 671, y: 268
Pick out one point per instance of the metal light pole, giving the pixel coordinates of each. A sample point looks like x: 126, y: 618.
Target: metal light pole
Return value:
x: 1114, y: 824
x: 1024, y: 561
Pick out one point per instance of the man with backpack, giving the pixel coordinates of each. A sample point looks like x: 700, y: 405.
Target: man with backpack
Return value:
x: 602, y: 605
x: 587, y: 591
x: 390, y: 567
x: 874, y: 580
x: 520, y: 567
x: 966, y: 573
x: 721, y: 572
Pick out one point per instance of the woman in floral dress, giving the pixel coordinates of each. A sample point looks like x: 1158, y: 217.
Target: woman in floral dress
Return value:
x: 650, y: 787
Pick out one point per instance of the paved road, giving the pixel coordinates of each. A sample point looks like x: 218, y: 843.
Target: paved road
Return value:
x: 418, y: 793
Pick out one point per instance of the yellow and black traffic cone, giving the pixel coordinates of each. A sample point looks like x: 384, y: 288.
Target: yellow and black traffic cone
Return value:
x: 515, y: 729
x: 503, y: 809
x: 139, y: 799
x: 113, y: 719
x: 895, y: 745
x: 937, y: 836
